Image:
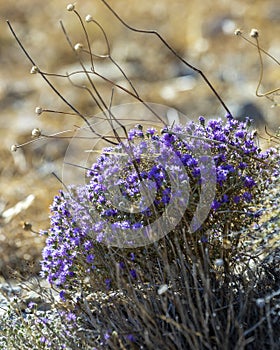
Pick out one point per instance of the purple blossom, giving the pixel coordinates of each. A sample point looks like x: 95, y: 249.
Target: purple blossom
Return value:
x: 150, y: 131
x: 133, y: 274
x: 135, y: 133
x: 216, y: 205
x: 236, y: 199
x: 204, y: 239
x: 225, y: 198
x: 131, y: 338
x: 71, y: 317
x: 249, y: 182
x: 108, y: 283
x: 31, y: 305
x: 221, y: 176
x: 242, y: 165
x: 90, y: 258
x: 122, y: 265
x: 247, y: 196
x: 107, y: 336
x: 137, y: 225
x: 240, y: 134
x: 201, y: 120
x: 88, y: 245
x: 62, y: 295
x: 43, y: 339
x: 132, y: 256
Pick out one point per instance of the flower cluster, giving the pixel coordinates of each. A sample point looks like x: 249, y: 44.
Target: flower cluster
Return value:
x: 133, y: 185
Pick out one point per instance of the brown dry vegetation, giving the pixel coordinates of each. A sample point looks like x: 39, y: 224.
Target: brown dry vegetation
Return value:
x: 197, y: 30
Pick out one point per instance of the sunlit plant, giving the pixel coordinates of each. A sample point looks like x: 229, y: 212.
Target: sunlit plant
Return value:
x: 93, y: 215
x: 153, y: 250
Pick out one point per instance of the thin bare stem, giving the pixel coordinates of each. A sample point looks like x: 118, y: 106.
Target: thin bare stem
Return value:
x: 260, y: 48
x: 86, y: 36
x: 110, y: 56
x: 260, y: 51
x: 47, y: 80
x: 85, y: 71
x: 170, y: 48
x: 266, y: 94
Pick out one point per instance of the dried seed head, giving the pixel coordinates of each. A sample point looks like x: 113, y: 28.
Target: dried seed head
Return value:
x: 238, y: 32
x: 70, y: 7
x: 78, y: 47
x: 14, y: 148
x: 34, y: 70
x: 36, y: 132
x: 89, y: 18
x: 27, y: 226
x: 139, y: 126
x: 254, y: 33
x: 38, y: 110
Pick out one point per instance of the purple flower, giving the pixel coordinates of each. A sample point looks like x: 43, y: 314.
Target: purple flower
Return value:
x: 222, y: 176
x: 90, y: 258
x: 135, y: 133
x: 133, y: 274
x: 108, y: 283
x: 249, y: 182
x: 225, y: 198
x: 62, y: 295
x: 247, y: 196
x: 131, y: 338
x: 71, y: 317
x: 228, y: 167
x: 43, y: 339
x: 213, y: 124
x: 240, y: 134
x: 107, y: 336
x: 201, y: 120
x: 150, y: 131
x: 137, y: 225
x: 122, y: 265
x: 242, y: 165
x: 204, y: 239
x: 236, y: 199
x: 88, y: 245
x: 168, y: 139
x: 132, y: 256
x: 216, y: 205
x: 31, y: 305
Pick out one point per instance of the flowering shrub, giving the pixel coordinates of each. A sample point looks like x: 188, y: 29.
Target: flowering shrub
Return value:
x: 114, y: 208
x: 164, y: 221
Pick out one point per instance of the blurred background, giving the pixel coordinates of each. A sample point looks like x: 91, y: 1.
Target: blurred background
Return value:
x: 201, y: 32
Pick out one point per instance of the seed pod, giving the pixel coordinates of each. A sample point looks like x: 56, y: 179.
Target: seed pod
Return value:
x: 70, y: 7
x: 36, y: 132
x: 254, y: 33
x: 14, y: 148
